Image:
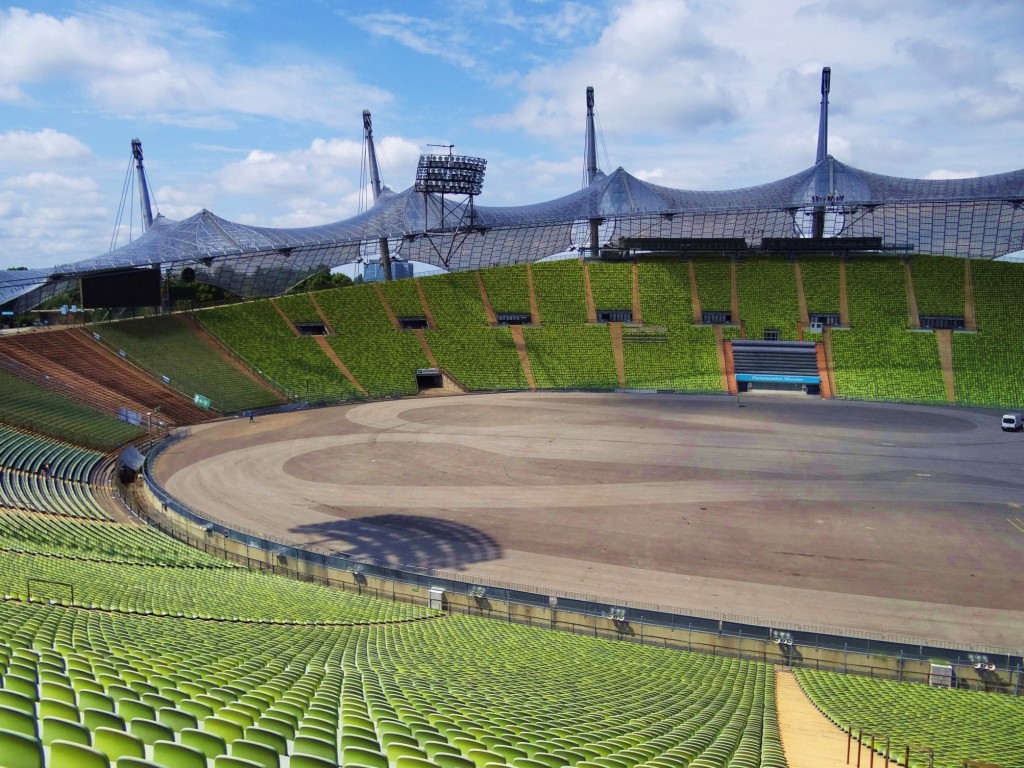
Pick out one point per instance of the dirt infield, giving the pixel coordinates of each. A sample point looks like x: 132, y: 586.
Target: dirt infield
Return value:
x: 824, y: 514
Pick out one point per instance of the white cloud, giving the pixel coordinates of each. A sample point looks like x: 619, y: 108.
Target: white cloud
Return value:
x: 943, y: 173
x: 46, y: 216
x: 327, y: 168
x: 26, y: 148
x: 420, y: 34
x: 138, y: 68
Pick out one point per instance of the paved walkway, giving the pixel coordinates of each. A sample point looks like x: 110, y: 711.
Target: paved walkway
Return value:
x: 809, y: 739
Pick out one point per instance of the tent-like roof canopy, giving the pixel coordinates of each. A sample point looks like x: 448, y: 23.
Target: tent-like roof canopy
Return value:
x: 977, y: 217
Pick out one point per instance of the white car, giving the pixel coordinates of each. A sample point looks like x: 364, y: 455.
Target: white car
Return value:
x: 1012, y: 422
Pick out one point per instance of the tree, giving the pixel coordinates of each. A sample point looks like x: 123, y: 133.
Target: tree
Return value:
x: 321, y: 281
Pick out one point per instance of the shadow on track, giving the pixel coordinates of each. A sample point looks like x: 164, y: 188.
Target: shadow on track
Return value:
x: 421, y: 542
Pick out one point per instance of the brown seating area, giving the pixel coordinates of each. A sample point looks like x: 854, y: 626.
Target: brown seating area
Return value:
x: 96, y: 376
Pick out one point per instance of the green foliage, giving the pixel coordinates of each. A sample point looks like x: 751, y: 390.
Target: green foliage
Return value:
x: 957, y: 725
x: 480, y: 358
x: 768, y: 298
x: 321, y: 281
x: 169, y: 346
x: 565, y: 357
x: 611, y: 285
x: 508, y: 288
x: 561, y: 294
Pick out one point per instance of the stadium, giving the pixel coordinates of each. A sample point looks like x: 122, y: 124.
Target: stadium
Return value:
x: 726, y: 488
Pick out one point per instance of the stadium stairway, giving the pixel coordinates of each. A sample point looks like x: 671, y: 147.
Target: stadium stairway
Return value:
x: 808, y: 738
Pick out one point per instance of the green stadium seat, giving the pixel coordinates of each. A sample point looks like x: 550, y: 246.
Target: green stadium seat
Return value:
x: 66, y: 754
x: 116, y: 743
x: 172, y: 755
x: 255, y: 752
x: 17, y: 721
x: 210, y: 744
x: 20, y: 750
x: 150, y: 731
x: 56, y: 729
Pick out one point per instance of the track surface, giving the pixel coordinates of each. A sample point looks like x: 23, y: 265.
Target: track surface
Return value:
x: 862, y: 517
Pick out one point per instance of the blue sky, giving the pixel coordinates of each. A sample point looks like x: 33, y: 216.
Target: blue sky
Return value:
x: 253, y: 109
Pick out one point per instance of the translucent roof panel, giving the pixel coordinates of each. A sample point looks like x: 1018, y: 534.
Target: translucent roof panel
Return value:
x: 977, y: 217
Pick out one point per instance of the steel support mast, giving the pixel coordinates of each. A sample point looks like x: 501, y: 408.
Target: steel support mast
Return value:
x: 592, y: 170
x: 375, y: 185
x: 140, y: 172
x: 818, y: 217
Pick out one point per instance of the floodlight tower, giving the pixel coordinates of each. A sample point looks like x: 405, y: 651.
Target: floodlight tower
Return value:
x: 385, y: 252
x: 449, y: 175
x: 818, y: 216
x: 140, y: 172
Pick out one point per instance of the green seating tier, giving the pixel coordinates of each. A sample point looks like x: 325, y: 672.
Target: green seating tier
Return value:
x: 403, y: 297
x: 987, y: 364
x: 686, y: 359
x: 374, y: 696
x: 298, y: 308
x: 258, y: 334
x: 170, y: 346
x: 958, y: 725
x: 26, y: 405
x: 480, y: 358
x: 454, y: 300
x: 41, y: 474
x: 109, y: 542
x: 354, y: 309
x: 879, y: 358
x: 561, y: 293
x: 665, y: 293
x: 938, y: 285
x: 507, y: 288
x: 768, y: 297
x: 190, y: 591
x: 820, y: 279
x: 381, y: 358
x: 714, y: 284
x: 611, y: 285
x: 384, y: 362
x: 566, y: 357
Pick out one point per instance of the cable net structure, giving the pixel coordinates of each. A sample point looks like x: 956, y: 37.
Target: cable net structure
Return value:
x: 981, y: 217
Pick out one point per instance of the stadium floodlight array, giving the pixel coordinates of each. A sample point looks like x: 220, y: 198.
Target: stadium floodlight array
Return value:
x: 450, y: 174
